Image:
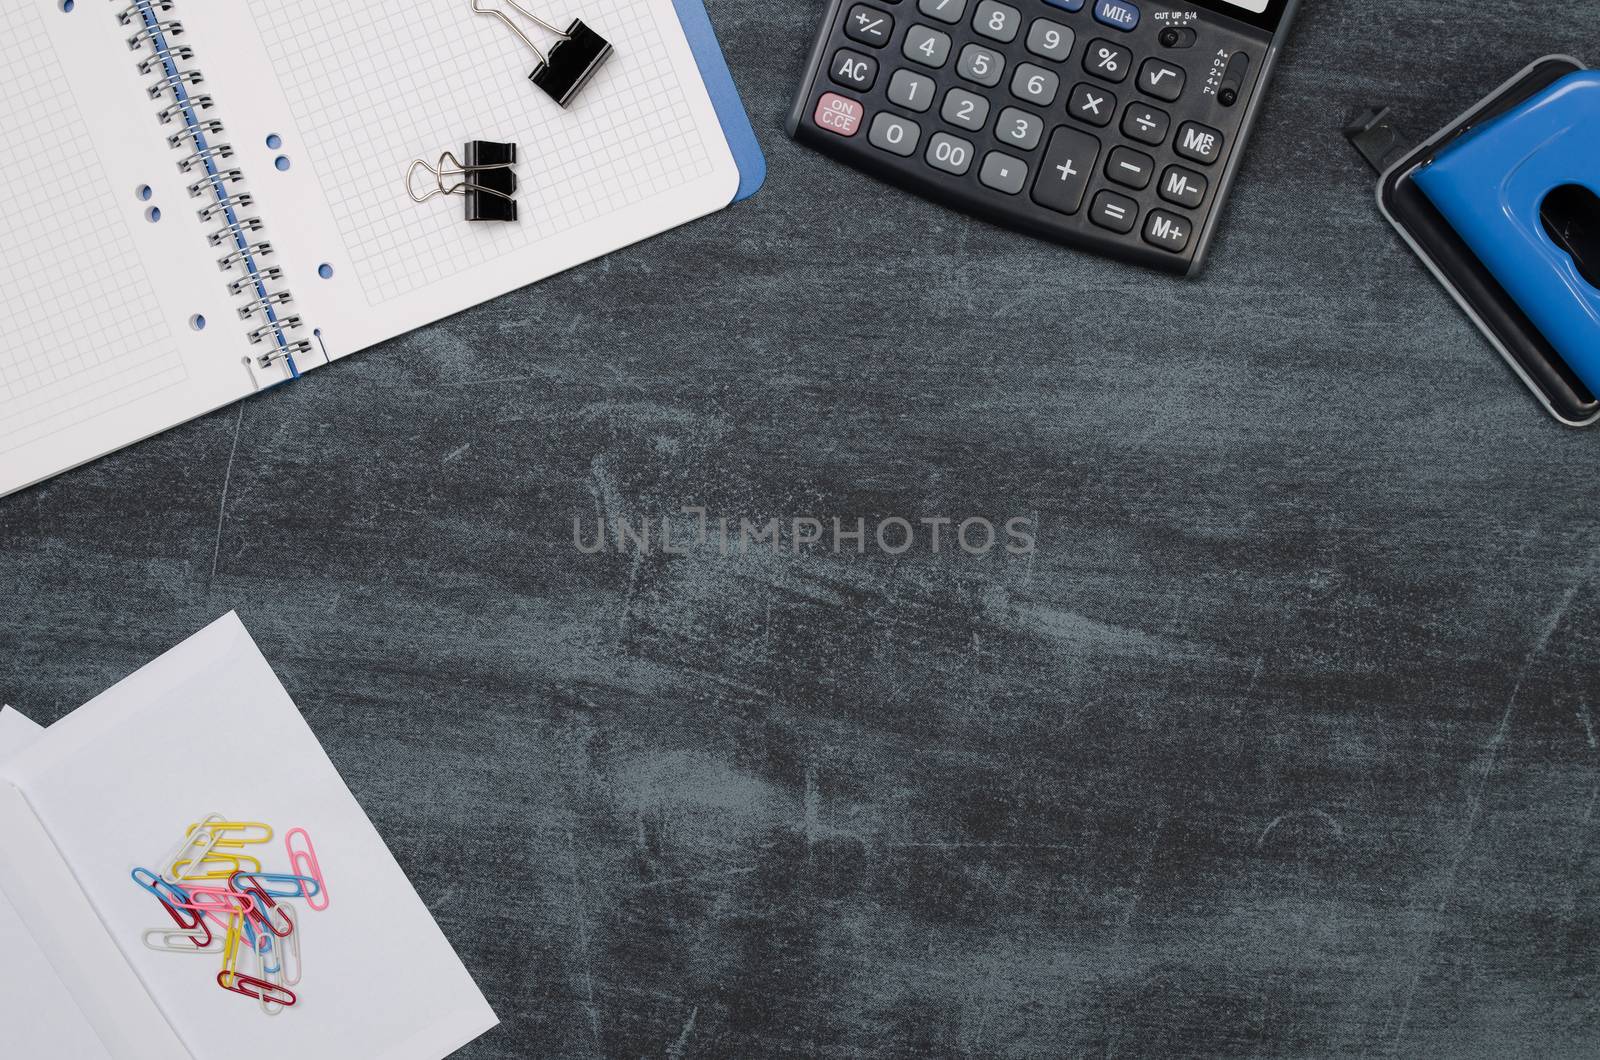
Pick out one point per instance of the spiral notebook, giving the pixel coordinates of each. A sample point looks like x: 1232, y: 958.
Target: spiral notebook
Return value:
x: 205, y: 197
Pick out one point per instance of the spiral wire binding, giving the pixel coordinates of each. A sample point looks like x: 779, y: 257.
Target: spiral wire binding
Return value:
x: 202, y: 160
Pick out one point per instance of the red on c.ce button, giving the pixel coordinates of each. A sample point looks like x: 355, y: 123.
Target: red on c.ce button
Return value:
x: 838, y: 114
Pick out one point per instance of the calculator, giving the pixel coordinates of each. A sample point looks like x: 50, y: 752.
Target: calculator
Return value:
x: 1112, y: 125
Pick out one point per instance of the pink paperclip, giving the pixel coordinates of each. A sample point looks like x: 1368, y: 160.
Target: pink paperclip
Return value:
x: 219, y: 903
x: 304, y: 863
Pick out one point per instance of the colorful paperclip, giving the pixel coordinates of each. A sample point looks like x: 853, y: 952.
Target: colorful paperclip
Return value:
x: 194, y: 849
x: 304, y: 863
x: 262, y: 832
x: 168, y: 941
x: 260, y: 989
x: 173, y: 898
x: 226, y: 865
x: 263, y: 906
x: 219, y: 903
x: 289, y: 951
x: 270, y: 964
x: 288, y: 884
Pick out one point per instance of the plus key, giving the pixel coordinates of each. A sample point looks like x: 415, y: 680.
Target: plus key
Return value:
x: 1068, y: 164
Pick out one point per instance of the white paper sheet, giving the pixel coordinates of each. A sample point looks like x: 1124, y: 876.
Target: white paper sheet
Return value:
x: 208, y: 728
x: 42, y: 1021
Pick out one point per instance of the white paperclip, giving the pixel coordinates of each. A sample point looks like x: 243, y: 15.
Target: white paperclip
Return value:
x: 201, y: 840
x: 173, y: 940
x: 272, y: 978
x: 289, y: 951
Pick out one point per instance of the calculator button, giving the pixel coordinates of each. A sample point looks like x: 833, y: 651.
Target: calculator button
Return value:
x: 996, y: 20
x: 1183, y: 186
x: 1119, y: 13
x: 1130, y: 168
x: 1035, y: 85
x: 1116, y: 212
x: 1050, y: 40
x: 1064, y: 174
x: 926, y: 46
x: 1018, y: 128
x: 966, y: 109
x: 911, y: 91
x: 949, y: 153
x: 1092, y: 104
x: 868, y: 25
x: 1167, y: 231
x: 1003, y: 173
x: 1162, y: 80
x: 1066, y: 5
x: 1107, y: 60
x: 838, y: 114
x: 979, y: 64
x: 854, y: 70
x: 1146, y: 124
x: 1198, y: 142
x: 894, y: 134
x: 943, y: 10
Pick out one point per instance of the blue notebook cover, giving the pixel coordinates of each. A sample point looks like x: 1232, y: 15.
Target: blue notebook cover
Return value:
x: 724, y: 96
x: 1493, y: 186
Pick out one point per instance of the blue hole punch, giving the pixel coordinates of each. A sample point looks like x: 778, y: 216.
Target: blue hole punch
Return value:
x: 1521, y: 192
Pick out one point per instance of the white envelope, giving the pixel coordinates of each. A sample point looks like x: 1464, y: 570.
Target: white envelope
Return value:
x: 208, y: 728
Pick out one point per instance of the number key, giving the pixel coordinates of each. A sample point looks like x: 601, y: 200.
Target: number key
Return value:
x: 926, y: 45
x: 1050, y: 40
x: 997, y: 20
x: 894, y: 134
x: 911, y: 91
x: 854, y: 70
x: 1018, y: 128
x: 965, y: 109
x: 949, y: 153
x: 943, y: 10
x: 979, y: 64
x: 1035, y: 84
x: 1107, y: 60
x: 868, y: 25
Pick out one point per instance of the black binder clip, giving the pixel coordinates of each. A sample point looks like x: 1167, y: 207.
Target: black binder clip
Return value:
x: 487, y: 180
x: 572, y: 60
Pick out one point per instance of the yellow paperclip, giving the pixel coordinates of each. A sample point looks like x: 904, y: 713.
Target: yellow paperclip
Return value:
x: 229, y: 864
x: 230, y: 950
x: 263, y: 833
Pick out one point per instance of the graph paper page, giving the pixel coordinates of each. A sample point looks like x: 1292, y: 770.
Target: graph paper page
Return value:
x: 96, y: 350
x: 352, y: 93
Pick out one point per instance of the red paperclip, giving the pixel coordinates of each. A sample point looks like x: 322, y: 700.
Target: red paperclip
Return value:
x: 257, y: 913
x: 276, y: 995
x: 156, y: 886
x: 304, y: 863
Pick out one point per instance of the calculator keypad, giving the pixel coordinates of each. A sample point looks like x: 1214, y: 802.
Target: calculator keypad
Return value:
x: 1070, y: 118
